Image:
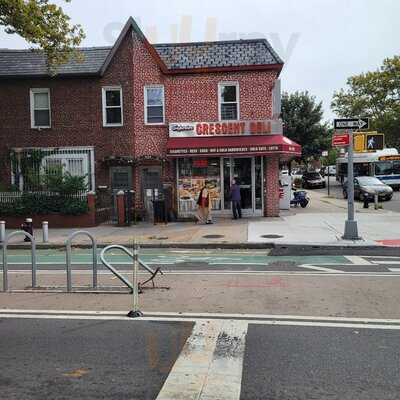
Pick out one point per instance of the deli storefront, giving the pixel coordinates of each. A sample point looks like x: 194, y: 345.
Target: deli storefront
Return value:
x: 214, y: 153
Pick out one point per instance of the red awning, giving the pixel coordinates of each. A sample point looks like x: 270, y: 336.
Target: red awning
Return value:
x: 232, y: 145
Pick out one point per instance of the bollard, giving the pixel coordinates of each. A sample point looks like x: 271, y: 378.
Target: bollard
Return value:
x: 376, y: 201
x: 135, y: 312
x: 45, y: 231
x: 2, y: 231
x: 27, y: 226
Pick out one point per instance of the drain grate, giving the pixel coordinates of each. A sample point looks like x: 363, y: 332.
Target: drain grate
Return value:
x: 272, y: 236
x: 213, y: 236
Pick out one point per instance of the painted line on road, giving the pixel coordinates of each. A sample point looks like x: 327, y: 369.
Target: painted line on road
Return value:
x: 318, y: 268
x: 387, y: 262
x: 166, y: 314
x: 358, y: 260
x: 197, y: 320
x: 394, y: 269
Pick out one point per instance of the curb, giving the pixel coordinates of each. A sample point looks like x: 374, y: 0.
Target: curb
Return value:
x: 276, y: 249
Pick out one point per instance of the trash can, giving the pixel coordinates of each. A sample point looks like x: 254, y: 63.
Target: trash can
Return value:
x: 159, y: 211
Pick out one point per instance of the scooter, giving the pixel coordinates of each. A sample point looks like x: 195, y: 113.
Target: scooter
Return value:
x: 299, y: 198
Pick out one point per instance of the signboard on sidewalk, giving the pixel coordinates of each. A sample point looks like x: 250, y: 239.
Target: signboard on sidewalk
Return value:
x: 340, y: 139
x: 351, y: 123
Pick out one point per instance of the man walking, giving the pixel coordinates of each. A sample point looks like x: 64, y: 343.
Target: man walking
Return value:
x: 236, y: 199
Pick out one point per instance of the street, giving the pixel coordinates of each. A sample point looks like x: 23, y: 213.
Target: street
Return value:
x: 61, y: 356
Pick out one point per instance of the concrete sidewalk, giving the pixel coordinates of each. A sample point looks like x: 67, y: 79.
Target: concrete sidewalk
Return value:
x: 321, y: 223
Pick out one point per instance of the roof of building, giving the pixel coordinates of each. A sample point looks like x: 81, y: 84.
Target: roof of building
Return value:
x: 171, y: 57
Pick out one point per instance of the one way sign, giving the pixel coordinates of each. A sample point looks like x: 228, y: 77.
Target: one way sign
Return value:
x: 351, y: 123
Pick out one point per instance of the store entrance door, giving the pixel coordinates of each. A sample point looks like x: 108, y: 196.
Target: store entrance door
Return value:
x: 242, y: 173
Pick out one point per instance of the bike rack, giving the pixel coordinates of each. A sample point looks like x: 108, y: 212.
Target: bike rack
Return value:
x: 5, y: 264
x: 132, y: 255
x: 68, y: 245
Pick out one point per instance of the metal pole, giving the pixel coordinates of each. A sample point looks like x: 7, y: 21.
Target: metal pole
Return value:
x: 376, y: 201
x: 5, y: 267
x: 68, y: 265
x: 329, y: 187
x: 134, y: 313
x: 94, y: 245
x: 350, y: 228
x: 45, y: 231
x: 2, y: 231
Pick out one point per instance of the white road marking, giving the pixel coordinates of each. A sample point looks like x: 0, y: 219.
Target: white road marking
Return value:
x: 387, y: 262
x: 318, y: 268
x: 315, y: 323
x: 356, y: 260
x: 394, y: 269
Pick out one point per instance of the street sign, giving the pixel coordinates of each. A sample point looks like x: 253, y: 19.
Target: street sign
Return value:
x: 375, y: 141
x: 351, y: 123
x: 340, y: 139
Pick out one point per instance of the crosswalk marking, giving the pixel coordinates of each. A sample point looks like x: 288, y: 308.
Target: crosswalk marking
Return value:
x: 210, y: 364
x: 358, y: 260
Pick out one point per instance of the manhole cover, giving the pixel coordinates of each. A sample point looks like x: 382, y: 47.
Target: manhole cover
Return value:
x: 213, y: 236
x: 271, y: 236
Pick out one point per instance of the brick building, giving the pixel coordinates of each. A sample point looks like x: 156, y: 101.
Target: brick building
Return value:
x: 146, y: 117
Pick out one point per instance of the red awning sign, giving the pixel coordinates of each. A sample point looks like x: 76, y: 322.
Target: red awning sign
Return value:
x: 340, y: 140
x: 235, y: 145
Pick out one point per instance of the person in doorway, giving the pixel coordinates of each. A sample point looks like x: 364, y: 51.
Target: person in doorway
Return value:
x: 236, y: 200
x: 204, y: 207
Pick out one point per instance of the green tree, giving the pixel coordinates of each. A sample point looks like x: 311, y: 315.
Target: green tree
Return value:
x: 45, y: 25
x: 302, y: 119
x: 375, y: 95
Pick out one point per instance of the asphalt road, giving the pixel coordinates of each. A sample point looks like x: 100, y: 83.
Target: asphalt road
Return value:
x: 87, y: 359
x: 55, y: 357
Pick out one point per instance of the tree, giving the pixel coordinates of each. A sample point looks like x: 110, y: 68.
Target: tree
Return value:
x: 45, y: 25
x: 302, y: 119
x: 375, y: 95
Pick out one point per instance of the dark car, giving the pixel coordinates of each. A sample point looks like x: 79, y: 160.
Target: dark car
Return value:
x: 365, y: 187
x: 312, y: 180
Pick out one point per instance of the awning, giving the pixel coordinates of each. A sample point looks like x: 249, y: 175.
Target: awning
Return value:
x: 233, y: 145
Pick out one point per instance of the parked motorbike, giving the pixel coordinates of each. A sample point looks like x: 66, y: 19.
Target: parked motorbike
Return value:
x: 299, y: 198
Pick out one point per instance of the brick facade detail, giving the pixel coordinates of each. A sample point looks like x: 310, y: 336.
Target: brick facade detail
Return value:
x: 76, y: 113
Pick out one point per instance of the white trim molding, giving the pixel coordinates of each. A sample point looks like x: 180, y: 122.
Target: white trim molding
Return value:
x: 156, y: 86
x: 32, y: 93
x: 105, y: 89
x: 220, y: 86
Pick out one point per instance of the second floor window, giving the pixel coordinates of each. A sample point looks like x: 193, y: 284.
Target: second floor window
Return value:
x: 154, y: 104
x: 228, y: 101
x: 40, y: 108
x: 112, y: 106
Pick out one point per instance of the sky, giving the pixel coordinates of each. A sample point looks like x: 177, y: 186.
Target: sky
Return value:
x: 322, y: 42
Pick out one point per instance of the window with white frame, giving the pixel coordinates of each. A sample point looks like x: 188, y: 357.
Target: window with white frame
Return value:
x: 40, y: 108
x: 112, y: 106
x: 228, y: 97
x: 154, y: 104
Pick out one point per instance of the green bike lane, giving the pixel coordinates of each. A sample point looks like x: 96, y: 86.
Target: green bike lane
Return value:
x: 53, y: 258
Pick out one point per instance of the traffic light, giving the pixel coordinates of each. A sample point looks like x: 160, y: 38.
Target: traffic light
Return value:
x: 359, y: 142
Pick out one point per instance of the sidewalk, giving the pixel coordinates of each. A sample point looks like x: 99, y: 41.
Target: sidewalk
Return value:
x: 321, y: 223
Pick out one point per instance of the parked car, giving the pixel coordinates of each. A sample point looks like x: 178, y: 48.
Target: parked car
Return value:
x: 367, y: 186
x: 312, y: 180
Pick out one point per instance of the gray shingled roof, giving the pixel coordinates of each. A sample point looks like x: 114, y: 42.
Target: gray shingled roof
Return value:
x: 176, y: 56
x: 33, y: 62
x: 217, y: 54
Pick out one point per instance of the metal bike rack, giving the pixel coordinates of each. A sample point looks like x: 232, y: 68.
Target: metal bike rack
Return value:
x: 114, y: 271
x: 68, y: 245
x: 5, y: 262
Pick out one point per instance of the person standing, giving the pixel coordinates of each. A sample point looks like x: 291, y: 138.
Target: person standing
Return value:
x: 236, y: 200
x: 204, y: 203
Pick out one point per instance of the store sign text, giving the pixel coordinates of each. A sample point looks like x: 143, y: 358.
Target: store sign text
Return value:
x: 234, y: 128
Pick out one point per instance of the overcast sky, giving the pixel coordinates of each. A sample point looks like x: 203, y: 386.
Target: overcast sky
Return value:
x: 321, y: 41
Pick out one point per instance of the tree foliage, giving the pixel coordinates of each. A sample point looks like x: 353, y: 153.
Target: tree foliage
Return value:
x: 375, y: 95
x: 302, y: 118
x: 45, y: 25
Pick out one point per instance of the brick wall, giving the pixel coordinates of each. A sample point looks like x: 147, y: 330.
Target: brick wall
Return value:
x: 271, y: 186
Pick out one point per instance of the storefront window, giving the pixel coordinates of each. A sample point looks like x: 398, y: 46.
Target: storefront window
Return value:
x: 227, y: 183
x: 193, y: 174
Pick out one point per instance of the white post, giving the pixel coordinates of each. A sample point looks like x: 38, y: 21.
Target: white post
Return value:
x: 376, y: 201
x: 135, y: 292
x: 45, y: 231
x: 2, y: 231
